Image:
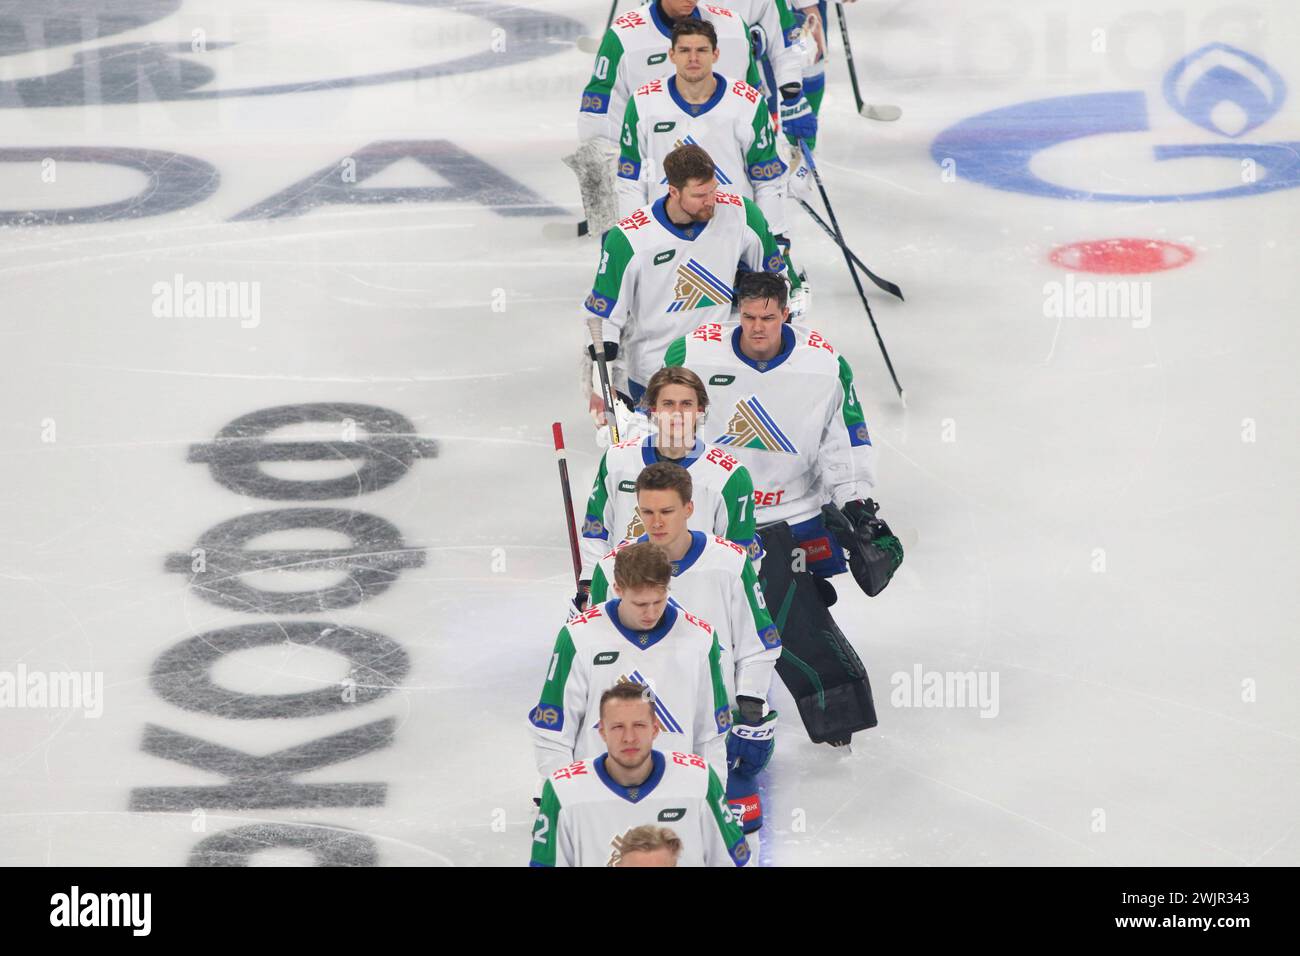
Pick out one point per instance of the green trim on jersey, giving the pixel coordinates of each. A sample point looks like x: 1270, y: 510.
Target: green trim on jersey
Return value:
x: 852, y: 409
x: 752, y: 76
x: 598, y: 498
x: 738, y: 491
x: 720, y: 700
x: 629, y: 147
x: 756, y: 221
x: 754, y: 593
x: 785, y: 16
x: 557, y: 674
x: 762, y: 148
x: 676, y: 354
x: 599, y: 593
x: 615, y: 257
x: 726, y: 823
x: 544, y: 830
x: 611, y: 51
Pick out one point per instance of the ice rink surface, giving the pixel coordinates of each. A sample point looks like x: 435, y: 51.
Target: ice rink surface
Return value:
x: 320, y: 635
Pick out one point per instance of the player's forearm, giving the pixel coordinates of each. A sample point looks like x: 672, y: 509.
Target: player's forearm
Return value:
x: 754, y: 672
x: 770, y: 196
x: 631, y: 193
x: 551, y: 752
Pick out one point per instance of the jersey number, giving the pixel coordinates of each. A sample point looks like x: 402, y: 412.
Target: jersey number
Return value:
x: 745, y: 501
x: 627, y: 135
x: 555, y: 661
x: 543, y: 828
x: 602, y: 67
x: 759, y: 599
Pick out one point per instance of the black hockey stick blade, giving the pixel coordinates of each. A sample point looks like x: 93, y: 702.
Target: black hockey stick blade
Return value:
x: 884, y: 285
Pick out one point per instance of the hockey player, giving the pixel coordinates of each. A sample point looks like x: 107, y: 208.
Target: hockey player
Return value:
x: 633, y: 52
x: 670, y: 265
x: 724, y: 493
x: 791, y: 415
x: 772, y: 28
x: 590, y: 807
x: 639, y: 637
x: 713, y: 579
x: 726, y: 116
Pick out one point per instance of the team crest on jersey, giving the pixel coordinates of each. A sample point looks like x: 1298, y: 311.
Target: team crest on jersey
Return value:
x: 548, y: 717
x: 752, y: 427
x: 697, y: 288
x: 593, y: 527
x: 663, y: 716
x: 689, y: 140
x: 635, y: 528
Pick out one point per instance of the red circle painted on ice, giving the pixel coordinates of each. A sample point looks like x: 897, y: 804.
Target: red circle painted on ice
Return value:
x: 1124, y: 256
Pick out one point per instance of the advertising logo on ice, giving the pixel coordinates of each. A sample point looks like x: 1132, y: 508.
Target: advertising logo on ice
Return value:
x: 1218, y: 89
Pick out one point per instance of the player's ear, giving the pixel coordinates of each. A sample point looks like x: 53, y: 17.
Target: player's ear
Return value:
x: 690, y: 508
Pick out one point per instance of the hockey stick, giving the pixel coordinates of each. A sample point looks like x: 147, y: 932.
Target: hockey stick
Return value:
x: 883, y: 284
x: 590, y: 44
x: 557, y: 433
x: 606, y: 390
x: 839, y: 236
x: 875, y: 111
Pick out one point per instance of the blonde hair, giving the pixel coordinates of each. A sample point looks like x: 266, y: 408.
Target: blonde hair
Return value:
x: 648, y: 838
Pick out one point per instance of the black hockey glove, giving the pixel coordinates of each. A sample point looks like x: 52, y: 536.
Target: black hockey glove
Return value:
x: 875, y: 553
x: 611, y: 351
x: 579, y: 602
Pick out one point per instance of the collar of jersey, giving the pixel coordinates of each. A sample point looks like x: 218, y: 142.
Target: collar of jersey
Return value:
x: 698, y: 540
x: 656, y: 635
x: 697, y: 109
x: 787, y: 349
x: 650, y: 457
x: 643, y: 789
x: 666, y: 26
x: 661, y: 213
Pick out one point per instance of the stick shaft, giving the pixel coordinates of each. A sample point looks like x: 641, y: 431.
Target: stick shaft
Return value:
x: 557, y: 433
x: 607, y: 390
x: 848, y: 55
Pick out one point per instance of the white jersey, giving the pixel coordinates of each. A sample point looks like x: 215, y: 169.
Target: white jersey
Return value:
x: 585, y: 813
x: 657, y: 280
x: 680, y: 660
x: 794, y: 421
x: 733, y: 126
x: 721, y: 490
x: 634, y: 51
x: 714, y: 580
x: 770, y: 22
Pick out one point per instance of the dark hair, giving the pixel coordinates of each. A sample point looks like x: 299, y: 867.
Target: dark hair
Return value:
x: 761, y: 285
x: 693, y: 27
x: 675, y: 375
x: 642, y: 565
x: 626, y: 690
x: 686, y: 163
x: 665, y: 476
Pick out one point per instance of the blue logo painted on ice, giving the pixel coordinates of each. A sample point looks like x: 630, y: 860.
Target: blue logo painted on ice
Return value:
x: 1219, y: 88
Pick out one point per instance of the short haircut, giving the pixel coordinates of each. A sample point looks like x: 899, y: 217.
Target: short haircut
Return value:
x: 693, y: 27
x: 625, y: 690
x: 686, y: 163
x: 761, y: 285
x: 647, y: 838
x: 642, y: 565
x: 666, y: 476
x: 675, y: 375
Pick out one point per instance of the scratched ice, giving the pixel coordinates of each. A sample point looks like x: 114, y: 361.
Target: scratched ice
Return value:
x: 305, y: 522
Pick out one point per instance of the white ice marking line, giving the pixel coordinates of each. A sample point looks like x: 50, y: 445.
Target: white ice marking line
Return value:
x: 361, y: 380
x: 823, y: 164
